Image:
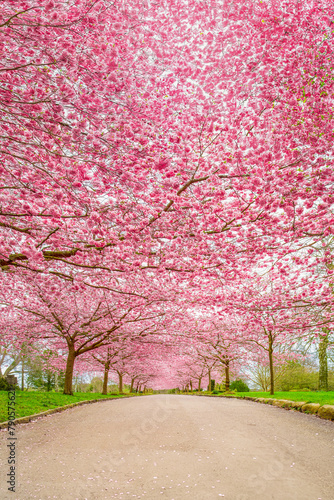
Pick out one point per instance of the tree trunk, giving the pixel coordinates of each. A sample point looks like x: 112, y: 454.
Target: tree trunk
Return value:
x: 48, y: 383
x: 323, y: 363
x: 227, y: 376
x: 56, y: 382
x: 132, y: 383
x: 22, y: 375
x: 105, y: 378
x: 199, y: 384
x: 120, y: 382
x: 69, y: 371
x: 209, y: 386
x: 191, y: 385
x: 271, y: 364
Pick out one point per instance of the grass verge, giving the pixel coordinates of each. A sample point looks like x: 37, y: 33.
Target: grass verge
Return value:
x: 29, y: 403
x: 321, y: 397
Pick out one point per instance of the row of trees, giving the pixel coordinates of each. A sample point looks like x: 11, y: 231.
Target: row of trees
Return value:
x: 43, y: 371
x: 264, y: 363
x: 194, y: 374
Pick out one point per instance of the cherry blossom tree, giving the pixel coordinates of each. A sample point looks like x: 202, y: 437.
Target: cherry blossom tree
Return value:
x: 161, y: 159
x: 80, y: 323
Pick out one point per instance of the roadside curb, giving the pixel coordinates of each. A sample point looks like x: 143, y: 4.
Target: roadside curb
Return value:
x: 59, y: 409
x: 325, y: 412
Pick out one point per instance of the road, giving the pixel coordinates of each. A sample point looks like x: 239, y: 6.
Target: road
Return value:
x: 173, y: 447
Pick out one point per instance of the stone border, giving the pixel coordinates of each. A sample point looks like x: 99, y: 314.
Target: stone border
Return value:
x: 326, y: 411
x: 59, y: 409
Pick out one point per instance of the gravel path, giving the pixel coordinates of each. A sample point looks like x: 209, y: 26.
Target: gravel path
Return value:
x: 173, y: 447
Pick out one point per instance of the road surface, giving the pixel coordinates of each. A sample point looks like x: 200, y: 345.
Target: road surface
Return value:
x: 173, y: 447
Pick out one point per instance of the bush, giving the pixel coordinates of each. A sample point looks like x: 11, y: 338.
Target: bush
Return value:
x: 4, y: 386
x: 297, y: 376
x: 239, y: 385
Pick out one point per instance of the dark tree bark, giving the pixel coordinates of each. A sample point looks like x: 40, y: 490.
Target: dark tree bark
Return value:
x: 323, y: 362
x: 132, y: 383
x: 48, y: 382
x: 105, y: 378
x: 120, y: 382
x: 227, y: 376
x: 69, y: 370
x: 22, y: 375
x: 271, y: 363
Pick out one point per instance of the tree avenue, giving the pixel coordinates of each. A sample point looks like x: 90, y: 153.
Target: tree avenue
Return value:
x: 166, y: 185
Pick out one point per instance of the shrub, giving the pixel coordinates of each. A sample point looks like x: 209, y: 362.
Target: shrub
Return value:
x: 4, y: 386
x: 296, y: 375
x: 239, y: 385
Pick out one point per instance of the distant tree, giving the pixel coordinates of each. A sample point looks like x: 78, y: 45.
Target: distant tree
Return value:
x: 95, y: 385
x: 325, y: 342
x: 297, y: 375
x: 42, y: 377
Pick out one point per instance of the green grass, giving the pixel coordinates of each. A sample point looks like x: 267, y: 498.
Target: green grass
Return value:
x: 31, y: 402
x: 321, y: 397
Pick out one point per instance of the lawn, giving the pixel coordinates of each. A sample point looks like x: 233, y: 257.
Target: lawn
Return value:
x: 321, y: 397
x: 31, y: 402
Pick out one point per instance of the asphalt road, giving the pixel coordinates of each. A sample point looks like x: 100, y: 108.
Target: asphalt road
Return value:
x: 173, y: 447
